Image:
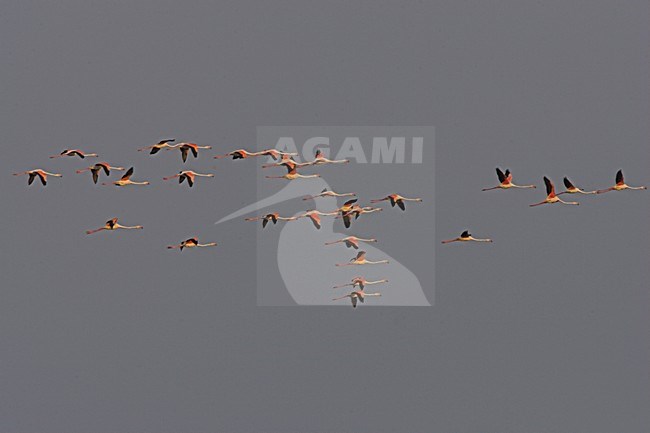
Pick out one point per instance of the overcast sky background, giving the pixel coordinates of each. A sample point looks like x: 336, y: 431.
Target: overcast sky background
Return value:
x: 545, y: 330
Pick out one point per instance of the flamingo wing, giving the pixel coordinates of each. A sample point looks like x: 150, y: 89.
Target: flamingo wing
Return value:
x: 550, y: 189
x: 346, y: 220
x: 43, y: 177
x: 350, y: 243
x: 568, y: 183
x: 128, y: 174
x: 315, y: 219
x: 105, y: 167
x: 620, y: 180
x: 502, y: 177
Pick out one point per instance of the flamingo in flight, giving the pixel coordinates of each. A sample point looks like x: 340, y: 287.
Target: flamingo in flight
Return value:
x: 112, y: 224
x: 188, y: 175
x: 361, y: 282
x: 186, y: 148
x: 620, y: 184
x: 319, y: 159
x: 351, y: 241
x: 238, y: 154
x: 314, y: 216
x: 292, y: 173
x: 410, y: 293
x: 357, y: 211
x: 361, y: 210
x: 328, y: 193
x: 358, y: 295
x: 288, y: 162
x: 345, y: 210
x: 74, y: 152
x: 572, y: 189
x: 276, y: 154
x: 162, y: 144
x: 348, y: 205
x: 191, y: 243
x: 551, y: 197
x: 273, y: 217
x: 95, y: 169
x: 126, y: 180
x: 243, y: 154
x: 42, y: 175
x: 466, y: 237
x: 505, y: 180
x: 396, y: 199
x: 360, y: 259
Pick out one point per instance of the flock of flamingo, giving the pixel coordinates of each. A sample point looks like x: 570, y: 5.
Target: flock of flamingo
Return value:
x: 505, y: 182
x: 349, y: 212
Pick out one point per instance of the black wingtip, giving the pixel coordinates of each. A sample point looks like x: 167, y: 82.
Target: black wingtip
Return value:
x: 619, y: 176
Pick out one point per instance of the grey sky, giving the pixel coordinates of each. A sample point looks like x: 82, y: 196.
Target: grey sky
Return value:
x: 544, y: 330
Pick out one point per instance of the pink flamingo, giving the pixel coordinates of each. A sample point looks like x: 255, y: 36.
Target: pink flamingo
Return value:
x: 361, y: 282
x: 551, y: 197
x: 466, y: 237
x: 572, y: 189
x: 396, y: 199
x: 360, y: 259
x: 191, y: 243
x: 74, y: 152
x: 273, y: 217
x: 42, y: 175
x: 162, y: 144
x: 314, y: 216
x: 327, y: 193
x: 351, y: 241
x: 95, y: 169
x: 359, y: 295
x: 188, y: 175
x: 113, y: 225
x: 505, y: 180
x: 620, y: 185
